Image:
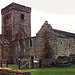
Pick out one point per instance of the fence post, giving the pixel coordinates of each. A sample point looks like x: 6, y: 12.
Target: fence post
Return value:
x: 40, y: 63
x: 1, y: 63
x: 7, y: 63
x: 31, y: 63
x: 19, y: 63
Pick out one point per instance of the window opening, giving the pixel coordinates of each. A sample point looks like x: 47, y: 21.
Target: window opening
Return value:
x: 69, y: 45
x: 32, y: 57
x: 30, y: 42
x: 22, y: 16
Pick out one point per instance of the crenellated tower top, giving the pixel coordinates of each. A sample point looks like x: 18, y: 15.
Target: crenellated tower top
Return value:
x: 16, y: 7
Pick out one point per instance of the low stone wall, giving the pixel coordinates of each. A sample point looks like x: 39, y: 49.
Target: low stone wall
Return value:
x: 6, y: 71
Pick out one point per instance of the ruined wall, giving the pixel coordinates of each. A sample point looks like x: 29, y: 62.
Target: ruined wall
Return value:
x: 16, y: 26
x: 24, y: 49
x: 32, y: 46
x: 72, y: 46
x: 45, y: 45
x: 20, y: 49
x: 7, y: 24
x: 45, y: 42
x: 5, y: 71
x: 0, y: 51
x: 15, y: 17
x: 7, y: 52
x: 19, y: 23
x: 65, y: 46
x: 16, y: 29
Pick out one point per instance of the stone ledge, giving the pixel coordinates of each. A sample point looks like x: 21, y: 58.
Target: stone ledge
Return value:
x: 8, y: 71
x: 16, y: 7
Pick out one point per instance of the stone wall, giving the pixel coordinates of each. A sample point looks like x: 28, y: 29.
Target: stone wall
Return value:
x: 7, y: 52
x: 45, y: 42
x: 16, y: 7
x: 24, y: 49
x: 7, y: 25
x: 16, y: 28
x: 0, y: 51
x: 65, y: 46
x: 19, y: 23
x: 7, y: 71
x: 13, y: 21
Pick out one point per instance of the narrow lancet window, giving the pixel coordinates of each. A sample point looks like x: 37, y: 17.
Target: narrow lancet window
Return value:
x: 22, y: 16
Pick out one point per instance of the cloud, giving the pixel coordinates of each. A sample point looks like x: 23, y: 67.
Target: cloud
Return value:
x: 52, y: 6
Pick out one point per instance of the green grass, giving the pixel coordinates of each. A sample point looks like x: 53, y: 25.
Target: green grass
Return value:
x: 13, y: 66
x: 49, y: 71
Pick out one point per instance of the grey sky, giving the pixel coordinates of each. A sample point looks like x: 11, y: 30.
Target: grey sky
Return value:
x: 52, y: 6
x: 59, y: 13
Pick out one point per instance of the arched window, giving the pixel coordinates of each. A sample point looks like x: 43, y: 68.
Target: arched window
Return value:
x: 22, y: 16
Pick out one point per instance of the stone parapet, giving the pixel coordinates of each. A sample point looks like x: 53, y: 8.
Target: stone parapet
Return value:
x: 6, y: 71
x: 15, y: 7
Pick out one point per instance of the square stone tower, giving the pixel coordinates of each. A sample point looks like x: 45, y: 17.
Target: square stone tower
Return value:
x: 14, y: 18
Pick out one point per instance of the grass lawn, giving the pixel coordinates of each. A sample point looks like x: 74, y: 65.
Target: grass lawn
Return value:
x: 49, y: 71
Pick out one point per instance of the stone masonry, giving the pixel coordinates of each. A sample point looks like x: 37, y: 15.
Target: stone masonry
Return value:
x: 8, y: 71
x: 16, y: 41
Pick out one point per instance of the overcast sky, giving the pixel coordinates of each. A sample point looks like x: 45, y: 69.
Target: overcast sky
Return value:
x: 59, y: 13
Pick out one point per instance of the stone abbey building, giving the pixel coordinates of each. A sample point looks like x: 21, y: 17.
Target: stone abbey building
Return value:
x: 16, y: 41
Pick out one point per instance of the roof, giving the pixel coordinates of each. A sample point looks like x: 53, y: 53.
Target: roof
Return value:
x: 45, y: 27
x: 58, y: 33
x: 64, y: 33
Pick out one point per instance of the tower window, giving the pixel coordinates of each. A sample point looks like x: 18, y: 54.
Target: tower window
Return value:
x: 22, y: 16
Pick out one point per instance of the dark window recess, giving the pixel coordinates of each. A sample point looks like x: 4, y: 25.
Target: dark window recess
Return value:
x: 32, y: 57
x: 21, y: 41
x: 69, y: 45
x: 61, y: 42
x: 7, y: 17
x: 22, y: 16
x: 30, y: 42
